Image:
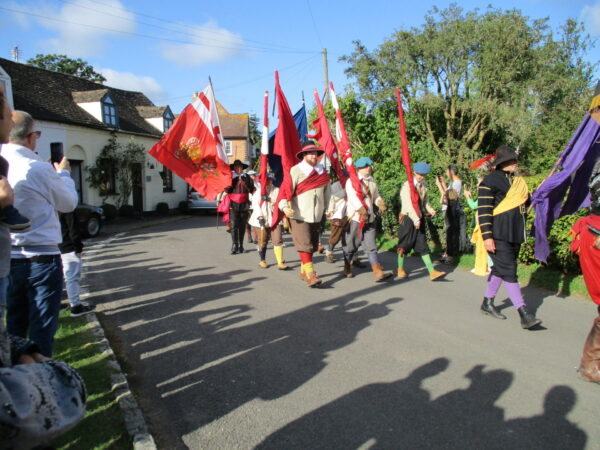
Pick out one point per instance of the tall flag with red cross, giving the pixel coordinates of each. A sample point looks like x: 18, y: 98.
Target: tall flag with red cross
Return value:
x: 264, y: 151
x: 325, y: 139
x: 343, y: 145
x: 193, y: 147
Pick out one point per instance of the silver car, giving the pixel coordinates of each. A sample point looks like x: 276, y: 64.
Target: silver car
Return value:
x: 197, y: 203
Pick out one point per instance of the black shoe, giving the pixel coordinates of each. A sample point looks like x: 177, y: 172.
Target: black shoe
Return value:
x: 488, y: 308
x: 241, y: 249
x: 528, y: 320
x: 234, y: 249
x: 82, y: 309
x: 357, y: 263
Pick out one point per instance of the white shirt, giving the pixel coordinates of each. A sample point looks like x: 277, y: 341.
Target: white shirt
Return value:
x: 306, y: 168
x: 40, y: 193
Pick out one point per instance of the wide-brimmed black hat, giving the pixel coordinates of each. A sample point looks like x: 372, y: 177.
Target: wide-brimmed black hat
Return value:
x: 237, y: 161
x: 505, y: 153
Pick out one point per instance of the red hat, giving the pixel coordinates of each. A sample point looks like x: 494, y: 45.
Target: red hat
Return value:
x: 309, y: 148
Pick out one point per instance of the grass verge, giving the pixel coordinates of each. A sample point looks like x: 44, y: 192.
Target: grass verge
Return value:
x: 536, y: 275
x: 103, y: 426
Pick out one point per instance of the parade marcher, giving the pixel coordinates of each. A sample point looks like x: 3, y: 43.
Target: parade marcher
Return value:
x: 501, y: 214
x: 336, y: 213
x: 357, y: 213
x: 411, y: 229
x: 586, y: 243
x: 454, y: 216
x: 310, y: 191
x: 239, y: 196
x: 262, y: 215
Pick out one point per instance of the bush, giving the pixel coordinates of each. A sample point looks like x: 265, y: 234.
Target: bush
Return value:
x: 126, y: 211
x: 162, y: 208
x: 110, y: 211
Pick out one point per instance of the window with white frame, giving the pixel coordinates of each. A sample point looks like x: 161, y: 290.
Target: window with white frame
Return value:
x: 109, y: 112
x: 168, y: 120
x: 228, y: 148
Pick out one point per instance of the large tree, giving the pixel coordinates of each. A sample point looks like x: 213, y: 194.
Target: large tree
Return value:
x: 64, y: 64
x: 472, y: 79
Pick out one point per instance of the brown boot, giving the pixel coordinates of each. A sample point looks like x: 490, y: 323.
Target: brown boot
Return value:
x: 436, y: 275
x: 379, y: 274
x: 320, y: 248
x: 313, y: 280
x: 402, y: 273
x: 348, y: 269
x: 590, y: 361
x: 303, y: 277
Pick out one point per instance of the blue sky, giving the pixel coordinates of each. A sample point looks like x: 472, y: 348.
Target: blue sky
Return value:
x: 168, y: 49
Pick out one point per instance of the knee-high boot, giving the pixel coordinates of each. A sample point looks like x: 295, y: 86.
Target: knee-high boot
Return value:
x: 590, y: 361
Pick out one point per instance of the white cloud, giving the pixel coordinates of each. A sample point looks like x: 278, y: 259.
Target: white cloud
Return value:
x: 132, y: 82
x: 83, y: 25
x: 590, y: 15
x: 208, y: 43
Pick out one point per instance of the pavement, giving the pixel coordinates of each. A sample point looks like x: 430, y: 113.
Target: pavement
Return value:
x: 222, y: 354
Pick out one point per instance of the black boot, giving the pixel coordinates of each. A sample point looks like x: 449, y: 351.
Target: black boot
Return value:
x: 528, y: 320
x: 488, y: 308
x: 234, y: 248
x: 356, y: 263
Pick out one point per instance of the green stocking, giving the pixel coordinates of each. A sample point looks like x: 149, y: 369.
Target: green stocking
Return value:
x: 427, y: 260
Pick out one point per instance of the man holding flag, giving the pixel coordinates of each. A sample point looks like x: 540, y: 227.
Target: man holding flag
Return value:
x: 308, y: 184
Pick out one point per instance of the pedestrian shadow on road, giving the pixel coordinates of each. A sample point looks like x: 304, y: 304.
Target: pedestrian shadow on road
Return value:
x: 402, y: 414
x: 230, y: 367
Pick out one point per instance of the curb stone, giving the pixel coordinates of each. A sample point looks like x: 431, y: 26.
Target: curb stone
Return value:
x: 133, y: 417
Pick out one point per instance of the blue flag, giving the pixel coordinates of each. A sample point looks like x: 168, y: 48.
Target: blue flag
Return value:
x: 275, y: 160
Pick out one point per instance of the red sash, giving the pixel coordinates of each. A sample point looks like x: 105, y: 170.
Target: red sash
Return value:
x: 239, y: 198
x: 313, y: 181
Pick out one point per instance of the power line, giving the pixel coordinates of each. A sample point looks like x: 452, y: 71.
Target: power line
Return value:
x: 270, y: 74
x: 314, y: 23
x: 238, y: 47
x: 263, y: 45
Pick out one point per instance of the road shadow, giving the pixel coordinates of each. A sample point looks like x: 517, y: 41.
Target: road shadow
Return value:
x: 401, y: 414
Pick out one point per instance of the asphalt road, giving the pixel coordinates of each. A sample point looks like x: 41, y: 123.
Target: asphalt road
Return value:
x: 222, y: 354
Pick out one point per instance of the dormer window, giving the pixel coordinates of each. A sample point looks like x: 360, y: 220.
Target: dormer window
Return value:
x: 109, y: 112
x: 168, y: 119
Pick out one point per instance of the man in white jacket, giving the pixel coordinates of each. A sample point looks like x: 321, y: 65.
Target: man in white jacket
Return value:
x: 363, y: 212
x: 41, y: 191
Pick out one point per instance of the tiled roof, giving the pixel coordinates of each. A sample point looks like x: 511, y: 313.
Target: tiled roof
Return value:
x: 149, y: 112
x: 88, y: 96
x: 51, y: 96
x: 234, y: 125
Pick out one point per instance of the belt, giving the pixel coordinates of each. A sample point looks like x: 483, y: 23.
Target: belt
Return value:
x: 36, y: 259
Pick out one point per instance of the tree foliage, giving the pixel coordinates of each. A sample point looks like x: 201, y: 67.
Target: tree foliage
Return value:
x: 111, y: 173
x: 473, y: 80
x: 63, y: 64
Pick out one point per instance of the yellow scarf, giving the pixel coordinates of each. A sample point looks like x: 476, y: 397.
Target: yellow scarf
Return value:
x: 516, y: 196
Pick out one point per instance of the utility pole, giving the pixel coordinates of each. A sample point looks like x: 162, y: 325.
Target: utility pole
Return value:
x: 15, y: 53
x: 326, y: 74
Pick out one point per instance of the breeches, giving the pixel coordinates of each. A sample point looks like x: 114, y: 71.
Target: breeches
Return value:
x: 366, y: 238
x: 265, y: 235
x: 305, y: 235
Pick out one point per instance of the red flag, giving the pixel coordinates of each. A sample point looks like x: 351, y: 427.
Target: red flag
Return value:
x: 325, y: 139
x: 343, y: 144
x: 287, y: 145
x: 193, y: 147
x: 414, y: 195
x: 264, y: 151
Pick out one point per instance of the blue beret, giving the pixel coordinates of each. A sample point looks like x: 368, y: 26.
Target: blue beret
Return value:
x: 421, y: 168
x: 363, y: 162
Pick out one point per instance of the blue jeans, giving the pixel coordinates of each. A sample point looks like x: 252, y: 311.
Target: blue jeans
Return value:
x: 33, y: 301
x: 3, y: 290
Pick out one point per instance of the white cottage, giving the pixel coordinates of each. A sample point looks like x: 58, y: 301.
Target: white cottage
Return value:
x: 80, y: 115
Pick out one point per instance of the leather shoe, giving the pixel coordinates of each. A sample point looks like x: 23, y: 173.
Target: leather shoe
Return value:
x: 488, y: 308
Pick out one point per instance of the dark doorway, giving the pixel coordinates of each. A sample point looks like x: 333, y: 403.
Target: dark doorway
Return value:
x: 137, y: 188
x: 76, y: 174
